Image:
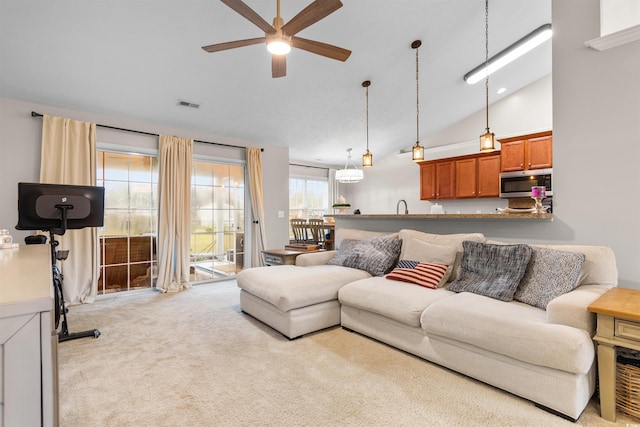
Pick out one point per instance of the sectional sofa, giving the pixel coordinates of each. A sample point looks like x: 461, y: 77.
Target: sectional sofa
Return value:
x: 511, y: 315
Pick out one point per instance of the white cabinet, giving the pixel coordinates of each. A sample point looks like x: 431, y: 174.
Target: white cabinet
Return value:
x: 28, y: 341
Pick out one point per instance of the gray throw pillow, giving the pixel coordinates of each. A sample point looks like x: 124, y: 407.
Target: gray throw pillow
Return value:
x: 491, y: 270
x: 346, y: 246
x: 550, y: 273
x: 375, y: 255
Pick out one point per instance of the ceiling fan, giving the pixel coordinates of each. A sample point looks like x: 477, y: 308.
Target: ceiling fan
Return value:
x: 280, y: 37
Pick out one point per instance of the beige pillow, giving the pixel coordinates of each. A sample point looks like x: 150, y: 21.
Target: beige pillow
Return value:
x: 453, y: 240
x: 418, y: 250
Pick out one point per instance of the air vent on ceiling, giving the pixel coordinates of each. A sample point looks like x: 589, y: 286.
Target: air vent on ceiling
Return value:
x: 188, y: 104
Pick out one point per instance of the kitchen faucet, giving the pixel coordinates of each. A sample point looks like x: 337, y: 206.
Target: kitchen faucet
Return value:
x: 406, y: 209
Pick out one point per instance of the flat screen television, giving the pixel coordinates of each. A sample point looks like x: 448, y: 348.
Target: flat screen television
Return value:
x: 43, y: 206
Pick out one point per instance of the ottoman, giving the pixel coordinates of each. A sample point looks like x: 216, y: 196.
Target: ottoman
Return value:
x: 295, y: 300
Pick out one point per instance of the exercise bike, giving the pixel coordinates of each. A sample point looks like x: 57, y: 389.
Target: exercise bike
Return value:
x: 60, y: 310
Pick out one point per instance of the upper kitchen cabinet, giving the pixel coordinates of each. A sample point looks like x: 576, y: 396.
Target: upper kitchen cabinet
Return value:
x: 526, y: 152
x: 489, y: 176
x: 437, y: 180
x: 462, y: 177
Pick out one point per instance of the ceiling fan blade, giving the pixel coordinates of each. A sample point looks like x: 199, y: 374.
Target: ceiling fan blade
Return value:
x: 330, y: 51
x: 249, y: 14
x: 232, y: 45
x: 310, y: 15
x: 278, y: 65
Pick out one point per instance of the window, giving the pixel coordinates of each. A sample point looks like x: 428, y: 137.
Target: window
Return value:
x: 217, y: 220
x: 128, y: 258
x: 127, y: 240
x: 308, y: 197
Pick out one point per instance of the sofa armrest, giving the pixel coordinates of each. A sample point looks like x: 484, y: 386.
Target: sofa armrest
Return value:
x: 314, y: 258
x: 571, y: 308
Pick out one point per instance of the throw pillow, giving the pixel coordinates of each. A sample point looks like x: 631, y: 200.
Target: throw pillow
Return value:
x: 491, y: 270
x: 345, y: 247
x: 420, y: 251
x: 550, y: 273
x: 420, y: 273
x: 376, y: 255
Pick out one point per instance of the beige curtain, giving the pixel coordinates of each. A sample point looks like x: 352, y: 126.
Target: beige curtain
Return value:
x: 258, y: 235
x: 174, y: 207
x: 68, y: 156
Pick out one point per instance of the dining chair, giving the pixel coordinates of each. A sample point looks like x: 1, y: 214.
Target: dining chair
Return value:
x: 299, y: 228
x: 316, y: 227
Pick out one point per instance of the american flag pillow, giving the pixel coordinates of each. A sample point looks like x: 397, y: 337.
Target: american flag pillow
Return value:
x: 424, y: 274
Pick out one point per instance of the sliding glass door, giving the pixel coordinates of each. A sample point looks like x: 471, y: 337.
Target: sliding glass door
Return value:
x: 128, y: 238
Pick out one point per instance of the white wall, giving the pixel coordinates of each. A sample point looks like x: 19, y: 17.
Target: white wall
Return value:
x: 596, y: 116
x: 20, y: 140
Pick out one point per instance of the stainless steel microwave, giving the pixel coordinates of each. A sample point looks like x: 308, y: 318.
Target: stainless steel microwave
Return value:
x: 519, y: 183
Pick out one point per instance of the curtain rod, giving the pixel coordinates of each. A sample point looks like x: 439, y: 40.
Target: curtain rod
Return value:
x: 308, y: 166
x: 34, y: 114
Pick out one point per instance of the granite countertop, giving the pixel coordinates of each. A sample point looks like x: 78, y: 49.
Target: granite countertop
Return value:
x: 503, y: 216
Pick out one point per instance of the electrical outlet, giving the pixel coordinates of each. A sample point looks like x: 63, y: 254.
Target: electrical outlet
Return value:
x: 280, y: 214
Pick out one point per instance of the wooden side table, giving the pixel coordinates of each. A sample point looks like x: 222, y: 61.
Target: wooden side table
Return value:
x: 618, y: 313
x: 280, y: 256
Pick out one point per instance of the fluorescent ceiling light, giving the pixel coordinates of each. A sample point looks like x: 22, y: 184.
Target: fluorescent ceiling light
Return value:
x: 516, y: 50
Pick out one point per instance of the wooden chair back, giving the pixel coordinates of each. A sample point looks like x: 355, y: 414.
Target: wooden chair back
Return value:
x: 299, y: 228
x: 316, y: 227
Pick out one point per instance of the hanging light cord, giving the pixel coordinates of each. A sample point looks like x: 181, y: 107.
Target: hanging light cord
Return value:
x: 367, y: 115
x: 486, y: 57
x: 417, y: 101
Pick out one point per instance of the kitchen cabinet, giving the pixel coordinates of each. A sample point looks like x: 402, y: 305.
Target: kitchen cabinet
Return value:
x: 466, y: 177
x: 437, y: 180
x: 489, y: 176
x: 526, y: 152
x: 475, y: 175
x: 427, y: 181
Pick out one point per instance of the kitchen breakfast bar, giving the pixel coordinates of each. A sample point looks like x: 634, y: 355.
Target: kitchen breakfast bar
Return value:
x: 518, y: 227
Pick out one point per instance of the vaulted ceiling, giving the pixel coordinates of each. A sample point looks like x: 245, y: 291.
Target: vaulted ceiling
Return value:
x: 138, y: 59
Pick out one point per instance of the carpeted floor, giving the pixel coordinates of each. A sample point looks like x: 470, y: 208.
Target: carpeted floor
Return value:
x: 194, y: 359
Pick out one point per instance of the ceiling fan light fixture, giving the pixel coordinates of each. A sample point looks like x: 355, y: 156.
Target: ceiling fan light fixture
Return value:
x: 278, y: 44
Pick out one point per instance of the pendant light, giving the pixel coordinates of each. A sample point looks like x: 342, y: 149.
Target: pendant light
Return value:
x: 417, y: 152
x: 347, y: 175
x: 487, y: 139
x: 367, y: 157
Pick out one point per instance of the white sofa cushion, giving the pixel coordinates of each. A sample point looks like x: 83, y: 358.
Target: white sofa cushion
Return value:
x: 453, y: 240
x: 513, y: 329
x: 290, y: 286
x: 400, y: 301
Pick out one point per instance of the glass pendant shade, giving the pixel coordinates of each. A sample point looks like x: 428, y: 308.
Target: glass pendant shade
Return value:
x: 417, y: 152
x: 367, y: 159
x: 487, y: 141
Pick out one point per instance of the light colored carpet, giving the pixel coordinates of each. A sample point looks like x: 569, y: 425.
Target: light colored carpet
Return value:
x: 194, y: 359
